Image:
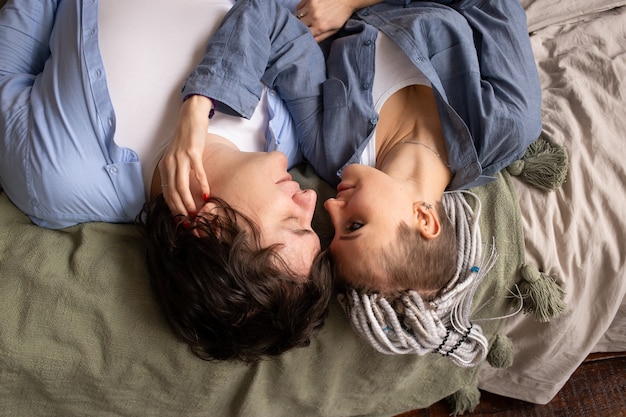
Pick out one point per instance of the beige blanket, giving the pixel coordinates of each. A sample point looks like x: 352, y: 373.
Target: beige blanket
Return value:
x: 578, y: 233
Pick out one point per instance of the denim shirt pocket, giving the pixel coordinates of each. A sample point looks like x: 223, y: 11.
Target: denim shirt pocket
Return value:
x: 334, y: 92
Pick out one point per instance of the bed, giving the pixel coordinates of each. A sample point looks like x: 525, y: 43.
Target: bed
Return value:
x: 81, y: 335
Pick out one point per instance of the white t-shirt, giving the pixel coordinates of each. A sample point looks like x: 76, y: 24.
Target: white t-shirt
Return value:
x: 149, y: 47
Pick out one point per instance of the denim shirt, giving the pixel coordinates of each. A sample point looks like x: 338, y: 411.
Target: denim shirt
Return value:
x: 476, y: 55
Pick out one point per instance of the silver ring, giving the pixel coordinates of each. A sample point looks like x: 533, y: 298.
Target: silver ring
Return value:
x: 299, y: 15
x: 164, y: 185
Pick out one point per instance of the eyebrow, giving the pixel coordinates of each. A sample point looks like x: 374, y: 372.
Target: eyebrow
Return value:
x: 350, y: 237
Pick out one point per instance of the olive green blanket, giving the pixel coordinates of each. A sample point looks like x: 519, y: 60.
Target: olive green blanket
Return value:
x: 80, y: 334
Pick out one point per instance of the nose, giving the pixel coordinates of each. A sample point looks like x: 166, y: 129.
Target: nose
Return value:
x: 333, y: 207
x: 333, y: 204
x: 306, y: 200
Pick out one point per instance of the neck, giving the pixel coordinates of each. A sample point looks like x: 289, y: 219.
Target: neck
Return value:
x: 410, y: 144
x: 419, y: 166
x: 220, y: 156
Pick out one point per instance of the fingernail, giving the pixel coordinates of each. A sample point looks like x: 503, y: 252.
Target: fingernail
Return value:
x: 192, y: 214
x: 206, y: 197
x: 186, y: 224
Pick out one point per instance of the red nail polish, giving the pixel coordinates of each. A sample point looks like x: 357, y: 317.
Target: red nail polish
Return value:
x: 206, y: 197
x: 186, y: 224
x: 192, y: 214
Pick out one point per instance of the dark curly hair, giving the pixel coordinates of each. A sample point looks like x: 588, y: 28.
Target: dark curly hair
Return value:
x: 225, y: 295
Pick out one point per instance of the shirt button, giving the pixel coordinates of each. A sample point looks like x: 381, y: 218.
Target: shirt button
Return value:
x: 368, y: 42
x: 98, y: 73
x: 366, y: 86
x: 373, y: 121
x: 112, y: 170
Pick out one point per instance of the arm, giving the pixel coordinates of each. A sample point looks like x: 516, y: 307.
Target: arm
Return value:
x: 259, y: 42
x: 24, y: 35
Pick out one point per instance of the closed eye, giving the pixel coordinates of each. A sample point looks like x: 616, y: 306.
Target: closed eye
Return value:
x: 297, y: 230
x: 303, y: 232
x: 354, y: 226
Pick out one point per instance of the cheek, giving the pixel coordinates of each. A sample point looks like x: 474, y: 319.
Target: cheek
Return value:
x: 342, y: 252
x: 255, y: 194
x: 345, y: 264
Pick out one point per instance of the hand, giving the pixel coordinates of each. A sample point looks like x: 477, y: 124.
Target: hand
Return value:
x: 325, y: 17
x: 185, y: 155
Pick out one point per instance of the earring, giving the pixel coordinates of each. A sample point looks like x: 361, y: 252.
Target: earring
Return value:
x: 427, y: 206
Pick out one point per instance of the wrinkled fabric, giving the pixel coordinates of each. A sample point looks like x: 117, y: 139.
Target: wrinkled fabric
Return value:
x: 477, y: 57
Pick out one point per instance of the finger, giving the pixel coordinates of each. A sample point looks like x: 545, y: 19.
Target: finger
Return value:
x: 198, y: 168
x: 324, y: 35
x: 182, y: 191
x: 170, y: 194
x: 301, y: 6
x: 175, y: 207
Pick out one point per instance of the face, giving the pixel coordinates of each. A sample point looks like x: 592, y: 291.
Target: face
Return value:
x: 262, y: 189
x: 365, y: 214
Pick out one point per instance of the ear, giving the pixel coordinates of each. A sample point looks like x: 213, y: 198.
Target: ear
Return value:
x: 207, y: 211
x: 427, y: 220
x: 210, y: 208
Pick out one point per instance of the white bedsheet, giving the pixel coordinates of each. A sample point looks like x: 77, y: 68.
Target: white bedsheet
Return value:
x: 578, y: 233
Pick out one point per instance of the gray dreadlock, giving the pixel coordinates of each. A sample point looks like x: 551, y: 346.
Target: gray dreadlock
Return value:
x: 409, y: 325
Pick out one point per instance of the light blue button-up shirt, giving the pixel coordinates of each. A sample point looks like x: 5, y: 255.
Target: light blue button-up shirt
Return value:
x: 59, y: 162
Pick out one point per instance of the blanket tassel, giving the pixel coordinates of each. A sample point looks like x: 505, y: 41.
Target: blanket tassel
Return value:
x: 501, y: 352
x: 464, y: 400
x: 541, y: 294
x: 544, y: 165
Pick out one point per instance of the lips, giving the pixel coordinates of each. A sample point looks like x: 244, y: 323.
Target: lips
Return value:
x: 343, y: 187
